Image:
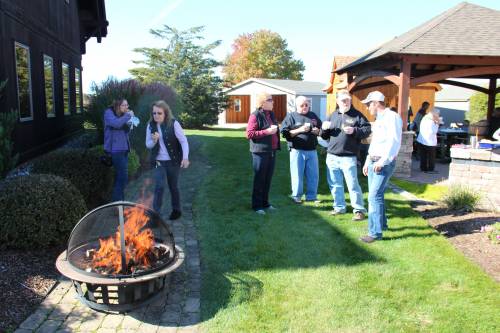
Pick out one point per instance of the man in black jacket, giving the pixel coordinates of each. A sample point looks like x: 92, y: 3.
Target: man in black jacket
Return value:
x: 345, y: 129
x: 301, y: 129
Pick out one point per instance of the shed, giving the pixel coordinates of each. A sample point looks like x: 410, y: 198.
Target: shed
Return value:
x: 242, y: 98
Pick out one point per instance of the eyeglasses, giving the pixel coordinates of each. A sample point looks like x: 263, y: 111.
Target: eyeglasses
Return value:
x: 303, y: 105
x: 157, y: 113
x: 269, y: 100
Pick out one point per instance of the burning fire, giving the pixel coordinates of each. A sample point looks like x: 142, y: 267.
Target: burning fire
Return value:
x: 139, y: 244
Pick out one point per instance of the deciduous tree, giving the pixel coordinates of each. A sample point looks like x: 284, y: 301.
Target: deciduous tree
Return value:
x: 262, y: 54
x: 187, y: 67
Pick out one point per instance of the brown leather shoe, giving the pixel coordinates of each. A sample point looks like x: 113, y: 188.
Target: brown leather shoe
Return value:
x: 358, y: 216
x: 367, y: 239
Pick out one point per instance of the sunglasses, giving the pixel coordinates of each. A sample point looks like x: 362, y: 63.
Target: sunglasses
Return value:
x: 269, y: 100
x: 157, y: 113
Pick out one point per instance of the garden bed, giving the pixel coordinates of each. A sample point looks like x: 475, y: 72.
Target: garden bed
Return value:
x: 463, y: 230
x: 27, y: 277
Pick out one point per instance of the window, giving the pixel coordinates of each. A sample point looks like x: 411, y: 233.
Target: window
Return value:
x: 78, y: 80
x: 237, y: 105
x: 65, y: 80
x: 48, y: 72
x: 23, y: 76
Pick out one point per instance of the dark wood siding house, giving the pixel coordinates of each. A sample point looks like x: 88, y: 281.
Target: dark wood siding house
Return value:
x: 41, y: 47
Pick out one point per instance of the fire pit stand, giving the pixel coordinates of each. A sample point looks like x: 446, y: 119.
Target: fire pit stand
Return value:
x: 118, y: 294
x: 120, y: 256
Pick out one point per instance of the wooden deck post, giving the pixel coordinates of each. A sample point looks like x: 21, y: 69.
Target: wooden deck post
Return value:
x: 404, y: 90
x: 491, y: 97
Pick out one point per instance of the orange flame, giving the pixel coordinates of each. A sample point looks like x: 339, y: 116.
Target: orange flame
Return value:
x: 139, y: 243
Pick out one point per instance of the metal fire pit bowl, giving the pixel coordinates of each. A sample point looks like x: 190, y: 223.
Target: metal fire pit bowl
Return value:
x: 117, y: 291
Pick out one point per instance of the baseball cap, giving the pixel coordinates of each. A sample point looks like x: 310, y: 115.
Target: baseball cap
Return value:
x: 374, y: 96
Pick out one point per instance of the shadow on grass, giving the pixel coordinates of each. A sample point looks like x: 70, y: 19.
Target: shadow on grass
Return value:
x: 237, y: 244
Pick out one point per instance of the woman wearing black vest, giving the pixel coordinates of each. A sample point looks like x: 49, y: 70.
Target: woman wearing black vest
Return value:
x: 263, y: 133
x: 169, y: 152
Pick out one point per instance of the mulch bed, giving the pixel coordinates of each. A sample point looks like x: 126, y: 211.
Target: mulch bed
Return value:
x: 26, y: 278
x: 463, y: 230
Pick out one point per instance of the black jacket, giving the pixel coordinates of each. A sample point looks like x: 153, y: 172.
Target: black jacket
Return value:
x: 343, y: 144
x: 302, y: 141
x: 264, y: 144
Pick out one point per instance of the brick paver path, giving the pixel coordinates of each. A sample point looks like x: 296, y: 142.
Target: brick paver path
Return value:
x: 178, y: 311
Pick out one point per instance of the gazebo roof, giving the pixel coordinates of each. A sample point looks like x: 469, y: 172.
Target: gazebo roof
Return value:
x: 464, y: 30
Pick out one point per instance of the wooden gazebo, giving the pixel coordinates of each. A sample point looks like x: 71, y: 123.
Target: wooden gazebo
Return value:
x: 463, y: 42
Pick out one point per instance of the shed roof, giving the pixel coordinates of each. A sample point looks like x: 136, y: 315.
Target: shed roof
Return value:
x: 291, y: 86
x: 466, y: 30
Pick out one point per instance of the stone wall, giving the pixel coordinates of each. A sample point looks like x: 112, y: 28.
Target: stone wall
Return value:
x: 479, y: 169
x: 403, y: 161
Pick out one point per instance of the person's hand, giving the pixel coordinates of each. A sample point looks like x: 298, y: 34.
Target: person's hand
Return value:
x: 184, y: 164
x: 348, y: 129
x: 272, y: 130
x: 365, y: 170
x: 131, y: 113
x: 315, y: 131
x: 377, y: 167
x: 306, y: 127
x: 155, y: 136
x: 326, y: 125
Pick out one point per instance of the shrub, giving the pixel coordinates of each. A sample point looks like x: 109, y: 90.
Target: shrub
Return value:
x: 478, y: 106
x: 82, y: 168
x: 494, y: 233
x: 139, y: 96
x: 38, y: 211
x: 133, y: 160
x: 8, y: 121
x: 461, y: 197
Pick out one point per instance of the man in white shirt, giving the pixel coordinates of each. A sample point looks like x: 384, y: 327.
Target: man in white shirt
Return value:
x: 380, y: 162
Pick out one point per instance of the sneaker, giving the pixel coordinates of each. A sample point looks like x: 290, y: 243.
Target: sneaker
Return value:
x: 336, y: 212
x: 297, y: 200
x: 368, y: 239
x: 358, y: 216
x: 260, y: 212
x: 271, y: 208
x: 175, y: 215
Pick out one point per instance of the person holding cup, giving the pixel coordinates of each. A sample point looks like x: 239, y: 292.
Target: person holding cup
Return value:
x: 263, y: 135
x: 301, y: 129
x: 344, y: 130
x: 117, y: 143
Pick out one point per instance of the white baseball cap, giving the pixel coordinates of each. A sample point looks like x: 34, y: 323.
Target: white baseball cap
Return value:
x: 376, y: 96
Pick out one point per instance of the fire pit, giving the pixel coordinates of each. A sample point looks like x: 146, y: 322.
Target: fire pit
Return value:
x: 120, y: 257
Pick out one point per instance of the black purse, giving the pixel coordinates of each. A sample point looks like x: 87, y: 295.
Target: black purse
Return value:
x: 106, y: 159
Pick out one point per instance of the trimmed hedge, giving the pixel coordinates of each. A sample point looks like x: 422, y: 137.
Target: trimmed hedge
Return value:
x: 38, y: 211
x: 83, y: 169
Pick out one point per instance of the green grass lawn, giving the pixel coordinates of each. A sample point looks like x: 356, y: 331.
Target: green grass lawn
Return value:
x: 300, y: 270
x: 423, y: 191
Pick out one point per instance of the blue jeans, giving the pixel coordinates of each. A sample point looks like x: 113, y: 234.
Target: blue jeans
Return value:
x: 263, y: 169
x: 120, y: 164
x: 339, y: 167
x: 169, y: 170
x: 377, y: 183
x: 304, y: 161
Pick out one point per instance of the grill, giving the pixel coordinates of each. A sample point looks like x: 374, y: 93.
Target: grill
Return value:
x: 120, y: 256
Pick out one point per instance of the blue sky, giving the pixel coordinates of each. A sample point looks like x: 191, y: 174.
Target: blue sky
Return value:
x: 315, y: 30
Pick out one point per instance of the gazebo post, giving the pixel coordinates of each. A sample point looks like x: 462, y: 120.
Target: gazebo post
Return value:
x: 403, y: 164
x: 491, y: 98
x: 404, y: 90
